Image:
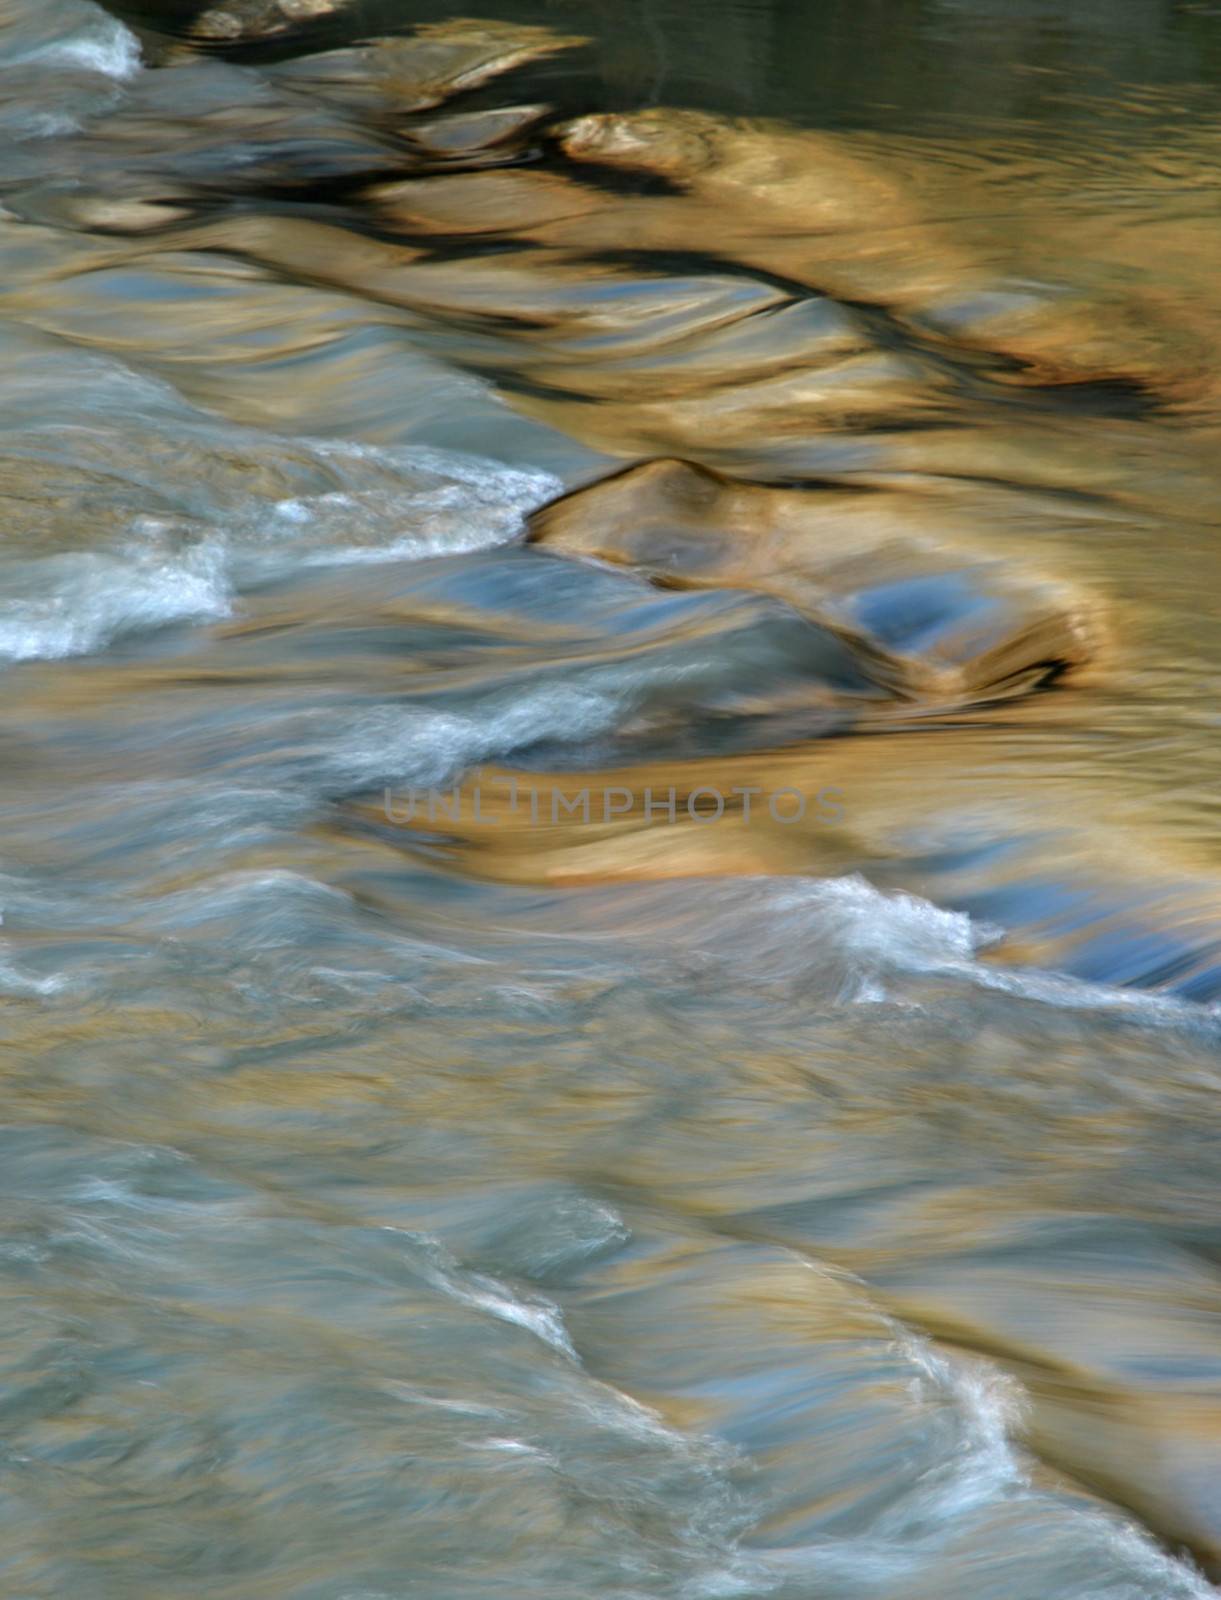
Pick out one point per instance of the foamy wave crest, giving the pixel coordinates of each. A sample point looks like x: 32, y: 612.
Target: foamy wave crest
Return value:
x: 76, y: 602
x: 860, y: 942
x: 84, y: 38
x: 461, y: 503
x: 794, y: 927
x: 188, y: 562
x: 427, y: 747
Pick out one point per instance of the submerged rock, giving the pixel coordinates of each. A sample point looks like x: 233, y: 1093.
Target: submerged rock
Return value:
x: 210, y: 126
x: 771, y: 342
x: 875, y: 220
x: 511, y: 202
x: 870, y: 389
x: 463, y: 135
x: 437, y: 61
x: 931, y: 617
x: 534, y: 297
x: 826, y: 209
x: 244, y: 21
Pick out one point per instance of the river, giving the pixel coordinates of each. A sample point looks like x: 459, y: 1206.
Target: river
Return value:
x: 611, y: 913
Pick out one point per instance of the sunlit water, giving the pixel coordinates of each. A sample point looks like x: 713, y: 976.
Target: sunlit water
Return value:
x: 464, y: 1133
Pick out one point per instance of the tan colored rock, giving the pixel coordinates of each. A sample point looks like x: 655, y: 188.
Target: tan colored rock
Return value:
x: 245, y: 21
x: 932, y: 616
x: 1068, y: 293
x: 511, y: 202
x: 829, y: 210
x: 889, y: 253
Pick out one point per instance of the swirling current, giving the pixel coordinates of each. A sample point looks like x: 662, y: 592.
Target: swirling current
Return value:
x: 610, y: 939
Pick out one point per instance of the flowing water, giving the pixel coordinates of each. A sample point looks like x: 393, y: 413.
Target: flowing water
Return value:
x: 611, y: 914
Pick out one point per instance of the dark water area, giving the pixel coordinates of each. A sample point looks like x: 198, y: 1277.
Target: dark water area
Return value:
x: 911, y: 65
x: 610, y: 904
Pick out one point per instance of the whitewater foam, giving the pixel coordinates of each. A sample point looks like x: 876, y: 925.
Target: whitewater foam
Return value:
x: 794, y: 927
x: 78, y: 40
x: 190, y: 566
x: 103, y: 46
x: 77, y: 602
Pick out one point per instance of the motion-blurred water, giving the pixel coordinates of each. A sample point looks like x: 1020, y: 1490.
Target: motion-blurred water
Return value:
x: 630, y: 1204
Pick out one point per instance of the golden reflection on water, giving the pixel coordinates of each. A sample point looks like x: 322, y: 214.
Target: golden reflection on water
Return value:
x: 810, y: 366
